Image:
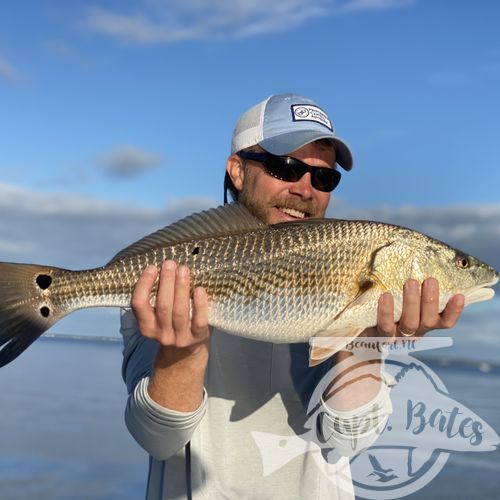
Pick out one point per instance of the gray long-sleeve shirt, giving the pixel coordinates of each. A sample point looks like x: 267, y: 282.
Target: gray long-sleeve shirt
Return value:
x: 252, y: 437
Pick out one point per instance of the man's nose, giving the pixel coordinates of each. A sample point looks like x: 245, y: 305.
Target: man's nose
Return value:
x: 302, y: 187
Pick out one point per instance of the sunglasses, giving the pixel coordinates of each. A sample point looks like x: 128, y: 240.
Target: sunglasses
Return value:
x: 286, y: 168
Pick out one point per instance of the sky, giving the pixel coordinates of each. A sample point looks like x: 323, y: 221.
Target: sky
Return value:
x: 116, y: 116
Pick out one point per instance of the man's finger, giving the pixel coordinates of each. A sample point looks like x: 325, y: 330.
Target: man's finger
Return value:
x: 410, y: 316
x: 140, y: 300
x: 181, y: 306
x: 429, y: 315
x: 452, y: 311
x: 385, y: 315
x: 165, y: 296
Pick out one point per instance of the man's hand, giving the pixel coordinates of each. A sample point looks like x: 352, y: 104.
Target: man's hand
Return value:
x: 420, y: 315
x: 420, y: 311
x: 169, y: 320
x: 177, y: 379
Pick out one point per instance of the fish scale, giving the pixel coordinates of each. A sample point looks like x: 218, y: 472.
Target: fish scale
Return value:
x: 283, y: 283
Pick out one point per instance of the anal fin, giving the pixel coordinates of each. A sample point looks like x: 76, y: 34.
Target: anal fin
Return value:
x: 356, y: 316
x: 326, y: 344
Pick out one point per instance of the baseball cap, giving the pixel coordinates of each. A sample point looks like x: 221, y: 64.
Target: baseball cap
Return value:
x: 283, y: 123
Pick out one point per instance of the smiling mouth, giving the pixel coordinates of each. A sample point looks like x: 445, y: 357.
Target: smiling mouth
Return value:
x: 293, y: 213
x: 480, y: 293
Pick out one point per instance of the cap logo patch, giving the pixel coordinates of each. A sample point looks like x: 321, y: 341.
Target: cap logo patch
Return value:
x: 307, y: 112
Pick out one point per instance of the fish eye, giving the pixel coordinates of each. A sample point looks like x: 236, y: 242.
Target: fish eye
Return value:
x: 463, y: 262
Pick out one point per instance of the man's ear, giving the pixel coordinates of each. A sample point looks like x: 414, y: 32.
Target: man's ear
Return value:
x: 236, y: 171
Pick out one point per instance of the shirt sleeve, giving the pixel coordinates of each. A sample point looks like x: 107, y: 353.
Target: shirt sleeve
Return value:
x: 162, y: 432
x: 350, y: 432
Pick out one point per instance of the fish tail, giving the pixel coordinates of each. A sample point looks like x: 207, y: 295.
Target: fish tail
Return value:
x: 27, y: 307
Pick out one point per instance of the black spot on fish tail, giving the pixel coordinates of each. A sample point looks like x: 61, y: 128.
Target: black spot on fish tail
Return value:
x: 195, y: 251
x: 44, y: 281
x: 45, y: 311
x: 25, y: 313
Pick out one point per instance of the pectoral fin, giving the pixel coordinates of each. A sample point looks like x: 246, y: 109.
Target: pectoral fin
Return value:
x: 359, y: 314
x: 326, y: 344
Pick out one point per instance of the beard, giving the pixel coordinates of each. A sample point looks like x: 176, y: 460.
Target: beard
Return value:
x: 263, y: 209
x: 256, y: 208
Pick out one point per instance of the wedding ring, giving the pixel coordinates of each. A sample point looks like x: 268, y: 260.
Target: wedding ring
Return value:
x: 407, y: 333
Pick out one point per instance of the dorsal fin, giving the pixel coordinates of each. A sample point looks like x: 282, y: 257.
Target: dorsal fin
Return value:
x: 233, y: 218
x: 303, y: 222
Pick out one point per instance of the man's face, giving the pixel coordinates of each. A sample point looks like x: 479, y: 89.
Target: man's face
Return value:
x: 274, y: 200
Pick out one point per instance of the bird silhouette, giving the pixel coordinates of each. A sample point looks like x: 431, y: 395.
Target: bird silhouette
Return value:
x: 378, y: 470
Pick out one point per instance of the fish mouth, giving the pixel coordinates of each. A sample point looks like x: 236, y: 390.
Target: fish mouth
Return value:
x: 480, y: 293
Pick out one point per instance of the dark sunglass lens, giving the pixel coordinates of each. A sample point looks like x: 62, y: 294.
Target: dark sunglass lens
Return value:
x: 325, y: 179
x: 291, y: 170
x: 284, y: 169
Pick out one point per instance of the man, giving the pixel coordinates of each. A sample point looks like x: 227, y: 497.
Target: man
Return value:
x: 197, y: 396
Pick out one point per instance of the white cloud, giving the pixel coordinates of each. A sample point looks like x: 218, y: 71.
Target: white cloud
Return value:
x: 17, y: 200
x: 361, y: 5
x: 128, y: 161
x: 7, y: 70
x: 77, y: 231
x: 170, y: 21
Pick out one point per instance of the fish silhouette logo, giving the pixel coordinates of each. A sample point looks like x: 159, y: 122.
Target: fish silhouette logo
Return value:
x: 414, y: 441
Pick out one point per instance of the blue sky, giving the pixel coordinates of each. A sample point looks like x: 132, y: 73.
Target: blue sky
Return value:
x: 412, y: 86
x: 116, y: 116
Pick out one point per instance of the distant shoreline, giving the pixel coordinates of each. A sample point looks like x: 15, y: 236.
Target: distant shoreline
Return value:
x: 67, y: 336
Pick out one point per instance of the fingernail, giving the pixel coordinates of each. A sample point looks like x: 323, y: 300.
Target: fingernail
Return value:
x: 385, y: 298
x: 412, y: 286
x: 431, y: 284
x: 151, y: 269
x: 182, y: 271
x: 169, y: 265
x: 460, y: 301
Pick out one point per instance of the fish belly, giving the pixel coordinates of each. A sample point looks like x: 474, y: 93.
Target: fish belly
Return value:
x: 276, y: 318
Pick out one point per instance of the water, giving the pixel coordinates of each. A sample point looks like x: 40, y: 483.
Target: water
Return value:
x: 468, y: 475
x: 62, y: 433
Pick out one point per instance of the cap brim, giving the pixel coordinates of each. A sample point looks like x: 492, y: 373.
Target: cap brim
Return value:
x: 287, y: 143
